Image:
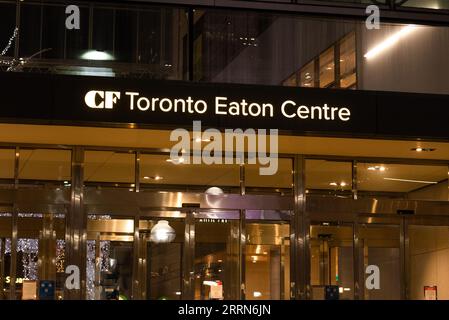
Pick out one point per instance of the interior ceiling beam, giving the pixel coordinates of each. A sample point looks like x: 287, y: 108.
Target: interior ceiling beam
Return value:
x: 342, y: 10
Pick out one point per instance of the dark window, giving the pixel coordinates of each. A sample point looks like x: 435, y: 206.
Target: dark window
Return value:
x: 125, y: 35
x: 30, y: 29
x: 103, y: 30
x: 149, y: 37
x: 53, y: 32
x: 78, y: 40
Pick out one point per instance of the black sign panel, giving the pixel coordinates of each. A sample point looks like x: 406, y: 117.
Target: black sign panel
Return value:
x: 169, y: 104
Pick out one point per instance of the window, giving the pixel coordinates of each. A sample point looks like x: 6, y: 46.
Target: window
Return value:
x: 333, y: 178
x: 347, y: 62
x: 418, y: 182
x: 281, y: 182
x: 7, y: 25
x: 44, y: 166
x: 327, y: 68
x: 161, y: 173
x: 307, y: 75
x: 114, y: 169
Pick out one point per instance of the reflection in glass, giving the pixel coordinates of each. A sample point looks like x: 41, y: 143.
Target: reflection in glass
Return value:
x: 331, y: 260
x: 267, y: 263
x: 40, y: 254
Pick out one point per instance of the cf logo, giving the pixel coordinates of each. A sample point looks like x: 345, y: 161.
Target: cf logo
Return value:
x: 105, y: 99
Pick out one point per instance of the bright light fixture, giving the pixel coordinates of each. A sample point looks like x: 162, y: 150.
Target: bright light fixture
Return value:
x: 176, y: 161
x: 97, y: 55
x: 162, y: 232
x: 214, y: 191
x: 390, y: 41
x: 377, y: 168
x: 257, y: 294
x: 414, y: 181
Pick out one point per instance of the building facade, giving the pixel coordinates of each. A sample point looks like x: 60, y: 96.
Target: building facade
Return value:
x: 86, y: 175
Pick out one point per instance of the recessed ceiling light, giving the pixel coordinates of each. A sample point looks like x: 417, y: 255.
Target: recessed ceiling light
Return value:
x: 333, y: 184
x: 421, y: 149
x: 157, y: 178
x: 342, y: 184
x: 377, y: 168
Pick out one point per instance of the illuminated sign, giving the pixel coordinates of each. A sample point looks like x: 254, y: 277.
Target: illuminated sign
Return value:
x: 222, y: 106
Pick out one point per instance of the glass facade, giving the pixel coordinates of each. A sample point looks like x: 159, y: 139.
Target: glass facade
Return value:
x: 98, y: 198
x: 230, y: 46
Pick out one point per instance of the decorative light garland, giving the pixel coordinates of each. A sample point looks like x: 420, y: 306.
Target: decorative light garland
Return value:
x: 14, y: 35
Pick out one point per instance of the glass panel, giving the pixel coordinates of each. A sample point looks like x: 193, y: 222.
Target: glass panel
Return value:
x: 37, y: 166
x: 30, y: 17
x: 307, y: 75
x: 40, y: 256
x: 216, y: 259
x: 280, y: 182
x: 109, y: 258
x: 7, y: 25
x: 331, y: 260
x: 416, y: 182
x: 380, y: 247
x: 7, y: 157
x: 109, y: 168
x: 125, y: 42
x: 53, y: 38
x: 5, y: 254
x: 348, y: 77
x: 267, y: 262
x: 160, y: 173
x: 161, y: 263
x: 429, y: 256
x: 77, y: 41
x: 291, y: 81
x: 266, y: 48
x: 333, y: 178
x: 429, y: 4
x: 327, y: 68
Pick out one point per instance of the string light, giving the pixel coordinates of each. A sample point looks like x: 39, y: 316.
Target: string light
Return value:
x: 14, y: 35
